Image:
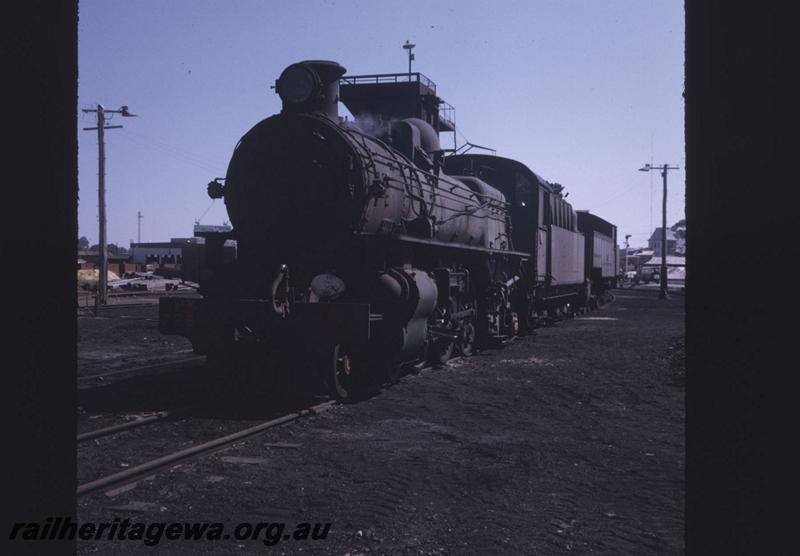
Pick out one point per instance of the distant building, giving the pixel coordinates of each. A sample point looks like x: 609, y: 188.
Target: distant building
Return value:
x: 672, y: 261
x: 676, y: 268
x: 119, y: 264
x: 212, y: 228
x: 181, y: 257
x: 628, y: 255
x: 158, y: 253
x: 654, y: 242
x: 637, y: 257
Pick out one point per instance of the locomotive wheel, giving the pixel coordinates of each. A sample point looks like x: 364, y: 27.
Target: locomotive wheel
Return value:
x: 342, y: 384
x: 466, y: 343
x: 441, y: 351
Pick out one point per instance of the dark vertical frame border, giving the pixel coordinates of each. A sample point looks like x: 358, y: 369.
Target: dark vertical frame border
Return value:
x: 741, y: 404
x: 39, y: 45
x: 741, y: 400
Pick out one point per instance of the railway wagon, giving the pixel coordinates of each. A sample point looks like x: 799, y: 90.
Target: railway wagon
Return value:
x: 601, y: 262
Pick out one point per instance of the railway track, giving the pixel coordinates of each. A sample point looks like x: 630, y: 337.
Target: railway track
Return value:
x: 144, y: 301
x: 138, y: 422
x: 143, y: 368
x: 148, y: 468
x: 155, y: 416
x: 138, y: 472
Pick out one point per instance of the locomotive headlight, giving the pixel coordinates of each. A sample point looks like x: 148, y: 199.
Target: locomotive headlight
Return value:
x: 296, y: 84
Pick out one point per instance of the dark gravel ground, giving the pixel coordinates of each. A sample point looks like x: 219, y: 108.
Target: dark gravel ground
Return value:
x: 125, y: 337
x: 568, y: 441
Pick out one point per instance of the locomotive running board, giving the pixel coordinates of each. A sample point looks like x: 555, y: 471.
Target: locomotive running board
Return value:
x: 436, y: 243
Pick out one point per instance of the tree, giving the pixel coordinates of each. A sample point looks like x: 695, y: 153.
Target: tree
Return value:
x: 83, y: 243
x: 117, y: 250
x: 111, y: 247
x: 679, y: 228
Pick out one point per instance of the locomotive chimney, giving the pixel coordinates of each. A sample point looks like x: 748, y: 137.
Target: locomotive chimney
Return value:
x: 310, y: 86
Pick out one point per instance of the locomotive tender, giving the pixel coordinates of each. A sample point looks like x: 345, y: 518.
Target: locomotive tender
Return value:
x: 362, y: 249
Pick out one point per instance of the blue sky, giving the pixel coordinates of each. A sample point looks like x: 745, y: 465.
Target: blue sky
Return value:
x: 581, y: 91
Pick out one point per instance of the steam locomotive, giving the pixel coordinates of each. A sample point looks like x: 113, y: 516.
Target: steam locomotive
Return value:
x: 364, y: 249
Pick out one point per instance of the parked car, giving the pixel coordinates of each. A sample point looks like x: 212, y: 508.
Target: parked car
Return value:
x: 649, y: 274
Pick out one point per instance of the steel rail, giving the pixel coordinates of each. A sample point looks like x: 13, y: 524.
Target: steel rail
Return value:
x: 196, y: 358
x: 123, y: 426
x: 148, y: 468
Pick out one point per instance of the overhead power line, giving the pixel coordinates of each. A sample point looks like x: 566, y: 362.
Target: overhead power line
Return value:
x: 195, y: 161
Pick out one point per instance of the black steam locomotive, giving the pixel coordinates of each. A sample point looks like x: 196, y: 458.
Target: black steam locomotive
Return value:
x: 364, y: 248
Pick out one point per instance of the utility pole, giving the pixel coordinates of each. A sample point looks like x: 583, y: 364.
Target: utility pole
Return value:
x: 408, y: 46
x: 627, y: 237
x: 102, y: 286
x: 139, y: 227
x: 664, y: 169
